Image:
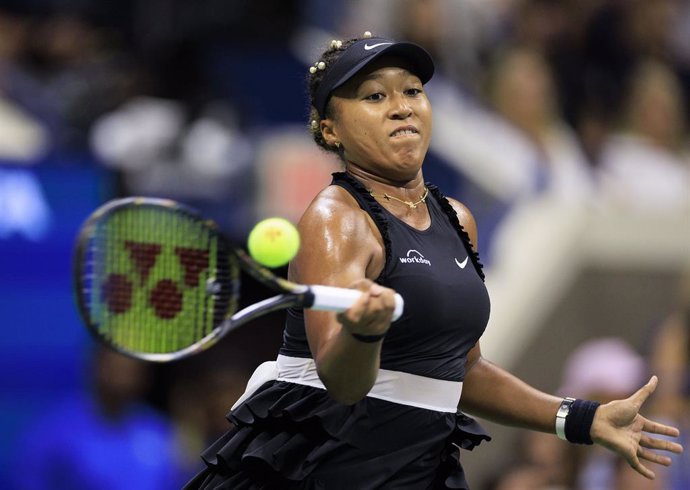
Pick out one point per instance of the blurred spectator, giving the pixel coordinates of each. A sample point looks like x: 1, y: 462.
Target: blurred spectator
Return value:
x: 680, y: 48
x: 290, y: 171
x: 161, y: 147
x: 63, y: 71
x: 519, y: 477
x: 23, y: 137
x: 459, y: 35
x: 603, y: 369
x: 520, y: 89
x: 80, y: 74
x: 108, y: 439
x: 593, y: 46
x: 549, y: 456
x: 646, y: 163
x: 540, y: 463
x: 200, y: 391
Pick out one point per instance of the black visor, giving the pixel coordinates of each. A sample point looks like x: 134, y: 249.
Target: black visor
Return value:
x: 363, y: 52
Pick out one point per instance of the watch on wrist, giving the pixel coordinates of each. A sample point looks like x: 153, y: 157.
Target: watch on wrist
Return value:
x: 561, y: 415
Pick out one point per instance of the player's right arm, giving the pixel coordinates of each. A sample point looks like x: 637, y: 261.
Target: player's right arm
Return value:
x: 342, y: 247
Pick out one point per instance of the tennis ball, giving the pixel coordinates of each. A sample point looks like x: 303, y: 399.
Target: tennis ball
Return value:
x: 273, y: 242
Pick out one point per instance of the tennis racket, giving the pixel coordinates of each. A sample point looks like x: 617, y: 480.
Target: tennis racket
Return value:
x: 156, y: 281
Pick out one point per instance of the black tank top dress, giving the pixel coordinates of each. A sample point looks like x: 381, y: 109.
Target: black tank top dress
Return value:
x: 294, y: 436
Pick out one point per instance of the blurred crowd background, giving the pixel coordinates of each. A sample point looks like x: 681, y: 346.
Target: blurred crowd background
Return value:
x: 562, y: 124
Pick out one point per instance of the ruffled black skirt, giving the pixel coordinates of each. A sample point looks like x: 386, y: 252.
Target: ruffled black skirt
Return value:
x: 290, y: 436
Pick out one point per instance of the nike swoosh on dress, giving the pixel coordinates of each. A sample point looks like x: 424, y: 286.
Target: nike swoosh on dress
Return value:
x: 463, y: 263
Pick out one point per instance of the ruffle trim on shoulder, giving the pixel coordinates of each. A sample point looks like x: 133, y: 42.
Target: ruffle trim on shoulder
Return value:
x: 468, y: 434
x: 364, y: 196
x: 453, y: 216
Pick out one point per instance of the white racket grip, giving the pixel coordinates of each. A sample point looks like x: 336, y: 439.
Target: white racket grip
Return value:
x: 330, y: 298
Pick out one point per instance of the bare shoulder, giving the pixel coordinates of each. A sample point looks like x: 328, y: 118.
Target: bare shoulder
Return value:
x: 339, y: 240
x: 466, y: 219
x: 333, y: 210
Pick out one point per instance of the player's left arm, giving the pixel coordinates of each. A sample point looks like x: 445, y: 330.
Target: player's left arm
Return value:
x: 493, y: 393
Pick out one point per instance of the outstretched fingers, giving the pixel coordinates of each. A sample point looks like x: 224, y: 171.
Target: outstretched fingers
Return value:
x: 648, y: 443
x: 635, y: 464
x: 657, y: 428
x: 661, y: 444
x: 625, y: 431
x: 653, y: 457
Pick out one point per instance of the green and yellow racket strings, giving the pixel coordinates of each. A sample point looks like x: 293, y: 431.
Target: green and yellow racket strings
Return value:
x: 151, y: 273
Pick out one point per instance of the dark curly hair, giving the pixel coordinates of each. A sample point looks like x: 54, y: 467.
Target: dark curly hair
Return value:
x: 328, y: 57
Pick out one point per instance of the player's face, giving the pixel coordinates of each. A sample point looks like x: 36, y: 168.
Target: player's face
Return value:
x: 382, y: 119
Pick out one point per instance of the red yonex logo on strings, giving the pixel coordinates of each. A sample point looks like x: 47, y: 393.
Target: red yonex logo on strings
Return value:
x: 165, y: 297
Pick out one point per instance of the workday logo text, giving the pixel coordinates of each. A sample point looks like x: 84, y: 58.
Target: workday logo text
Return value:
x: 414, y: 257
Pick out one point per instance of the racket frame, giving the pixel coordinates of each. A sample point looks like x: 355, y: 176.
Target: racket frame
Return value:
x: 291, y: 294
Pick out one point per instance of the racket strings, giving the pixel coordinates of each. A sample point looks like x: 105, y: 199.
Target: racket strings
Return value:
x: 156, y: 281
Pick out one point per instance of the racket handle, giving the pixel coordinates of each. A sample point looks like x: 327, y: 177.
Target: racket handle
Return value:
x: 330, y: 298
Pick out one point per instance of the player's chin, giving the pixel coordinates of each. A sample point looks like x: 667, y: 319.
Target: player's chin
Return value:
x: 409, y: 164
x: 411, y: 155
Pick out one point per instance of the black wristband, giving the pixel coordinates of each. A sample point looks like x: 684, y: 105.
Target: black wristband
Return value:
x: 579, y: 421
x: 368, y: 339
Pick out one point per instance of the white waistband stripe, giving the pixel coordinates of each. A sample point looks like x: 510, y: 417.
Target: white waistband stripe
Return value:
x: 393, y: 386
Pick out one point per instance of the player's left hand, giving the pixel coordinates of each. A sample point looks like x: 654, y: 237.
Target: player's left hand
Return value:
x: 619, y: 427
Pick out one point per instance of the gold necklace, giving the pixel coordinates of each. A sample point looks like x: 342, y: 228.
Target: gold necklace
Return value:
x: 410, y: 204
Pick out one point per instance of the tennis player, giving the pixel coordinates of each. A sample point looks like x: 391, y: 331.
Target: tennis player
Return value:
x: 353, y: 400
